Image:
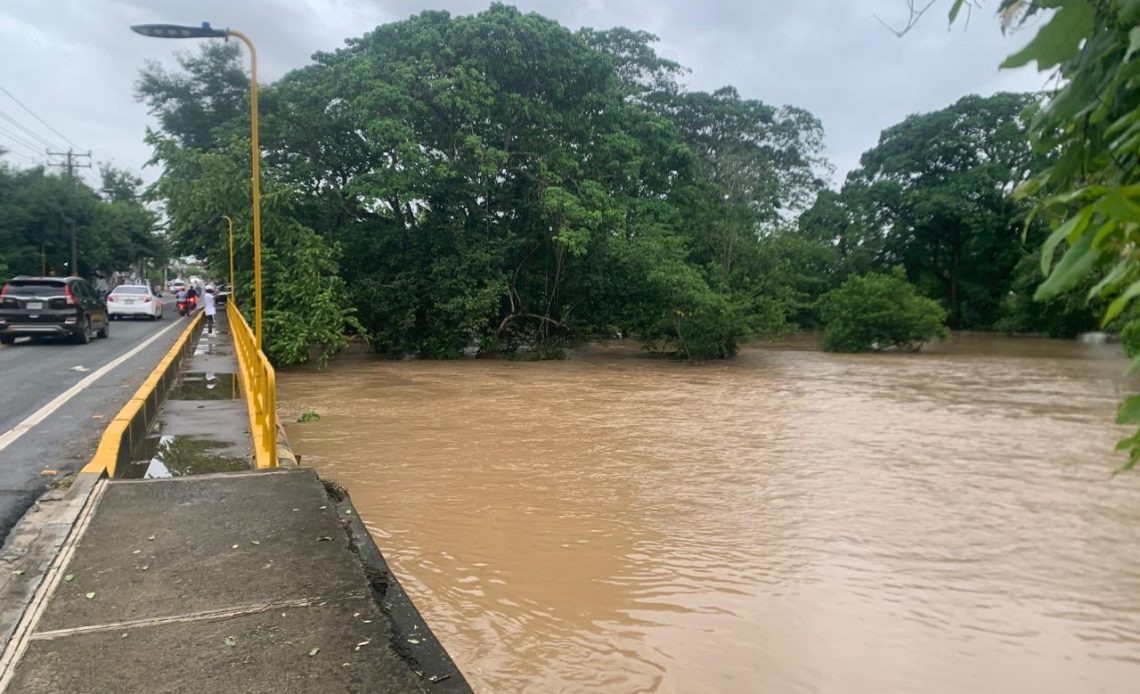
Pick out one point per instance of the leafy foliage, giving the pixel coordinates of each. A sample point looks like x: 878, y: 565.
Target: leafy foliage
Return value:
x: 305, y: 302
x: 1091, y: 124
x: 113, y: 228
x: 933, y: 196
x: 878, y: 311
x: 500, y: 181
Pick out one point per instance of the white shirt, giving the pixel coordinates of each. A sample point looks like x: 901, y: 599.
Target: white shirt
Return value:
x: 208, y: 302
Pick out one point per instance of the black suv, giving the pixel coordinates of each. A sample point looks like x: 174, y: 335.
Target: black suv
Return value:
x: 51, y: 307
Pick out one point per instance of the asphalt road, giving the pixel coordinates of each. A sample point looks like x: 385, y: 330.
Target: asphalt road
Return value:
x: 33, y: 375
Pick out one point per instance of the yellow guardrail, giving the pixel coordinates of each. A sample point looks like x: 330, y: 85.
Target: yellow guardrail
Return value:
x: 129, y: 427
x: 259, y: 381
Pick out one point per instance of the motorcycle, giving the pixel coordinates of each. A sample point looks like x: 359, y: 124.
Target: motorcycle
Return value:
x: 187, y: 306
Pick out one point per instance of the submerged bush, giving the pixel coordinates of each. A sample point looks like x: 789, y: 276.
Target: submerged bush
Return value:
x: 878, y: 311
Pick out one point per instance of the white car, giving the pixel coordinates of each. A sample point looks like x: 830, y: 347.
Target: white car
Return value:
x: 133, y: 300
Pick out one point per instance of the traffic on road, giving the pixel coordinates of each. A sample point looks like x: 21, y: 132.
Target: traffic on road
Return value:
x: 64, y: 374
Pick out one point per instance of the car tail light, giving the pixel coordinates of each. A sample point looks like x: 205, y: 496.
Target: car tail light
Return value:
x: 112, y: 299
x: 68, y: 296
x: 146, y: 299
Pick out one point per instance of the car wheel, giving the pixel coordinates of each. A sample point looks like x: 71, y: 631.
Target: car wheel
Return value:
x: 105, y: 332
x: 84, y: 334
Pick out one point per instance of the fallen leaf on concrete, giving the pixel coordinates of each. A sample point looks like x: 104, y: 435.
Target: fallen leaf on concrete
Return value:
x: 366, y: 621
x: 413, y: 640
x: 314, y: 652
x: 90, y: 595
x: 124, y: 635
x: 324, y: 539
x: 48, y: 473
x: 137, y: 551
x: 96, y: 416
x: 151, y: 537
x: 230, y: 641
x: 69, y: 578
x: 18, y: 572
x: 323, y: 507
x: 234, y: 547
x: 254, y: 542
x: 145, y: 567
x: 362, y: 643
x: 348, y: 512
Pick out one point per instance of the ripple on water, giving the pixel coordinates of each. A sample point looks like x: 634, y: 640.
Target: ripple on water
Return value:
x: 790, y: 521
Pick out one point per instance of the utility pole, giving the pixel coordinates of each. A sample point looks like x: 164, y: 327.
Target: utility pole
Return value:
x: 71, y: 165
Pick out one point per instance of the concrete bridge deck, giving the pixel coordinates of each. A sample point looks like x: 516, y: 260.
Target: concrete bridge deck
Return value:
x: 245, y: 581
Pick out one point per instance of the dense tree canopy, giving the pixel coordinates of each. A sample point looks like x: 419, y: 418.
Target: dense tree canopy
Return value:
x: 934, y: 197
x: 499, y: 181
x: 114, y: 230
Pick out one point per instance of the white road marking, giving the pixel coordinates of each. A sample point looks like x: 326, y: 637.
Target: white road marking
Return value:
x: 9, y: 437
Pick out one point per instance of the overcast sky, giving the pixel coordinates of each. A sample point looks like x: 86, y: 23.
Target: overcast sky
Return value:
x: 73, y: 62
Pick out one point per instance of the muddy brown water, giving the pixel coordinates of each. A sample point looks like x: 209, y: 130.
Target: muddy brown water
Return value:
x: 791, y: 521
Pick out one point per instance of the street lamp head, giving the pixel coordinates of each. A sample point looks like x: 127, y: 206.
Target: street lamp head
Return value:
x: 177, y: 31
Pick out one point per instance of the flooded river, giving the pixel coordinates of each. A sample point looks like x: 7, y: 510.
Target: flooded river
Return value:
x: 790, y: 521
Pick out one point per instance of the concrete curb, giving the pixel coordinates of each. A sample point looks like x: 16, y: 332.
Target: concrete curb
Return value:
x: 412, y: 639
x: 130, y: 425
x: 32, y: 546
x: 285, y: 455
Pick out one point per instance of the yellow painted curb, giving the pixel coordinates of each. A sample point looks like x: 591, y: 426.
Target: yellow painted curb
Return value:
x: 134, y: 419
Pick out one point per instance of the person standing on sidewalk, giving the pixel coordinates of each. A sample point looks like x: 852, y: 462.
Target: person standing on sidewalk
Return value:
x: 211, y: 308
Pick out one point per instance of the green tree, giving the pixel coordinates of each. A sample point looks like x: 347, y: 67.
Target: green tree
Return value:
x: 933, y: 196
x: 37, y: 210
x: 497, y: 180
x: 1091, y: 126
x: 878, y: 311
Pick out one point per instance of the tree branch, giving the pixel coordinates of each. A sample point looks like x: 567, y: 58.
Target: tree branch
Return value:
x: 915, y: 14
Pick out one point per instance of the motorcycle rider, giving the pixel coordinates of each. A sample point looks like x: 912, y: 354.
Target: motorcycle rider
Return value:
x: 182, y: 297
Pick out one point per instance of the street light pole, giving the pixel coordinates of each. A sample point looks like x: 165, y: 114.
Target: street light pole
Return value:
x: 205, y: 31
x: 233, y: 287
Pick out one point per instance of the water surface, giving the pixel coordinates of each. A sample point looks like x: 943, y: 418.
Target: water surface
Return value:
x: 790, y: 521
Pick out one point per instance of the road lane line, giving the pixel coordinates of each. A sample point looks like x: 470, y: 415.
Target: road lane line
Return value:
x: 9, y: 437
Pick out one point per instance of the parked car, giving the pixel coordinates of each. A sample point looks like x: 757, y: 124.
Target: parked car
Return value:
x: 134, y: 300
x: 51, y: 307
x: 222, y: 295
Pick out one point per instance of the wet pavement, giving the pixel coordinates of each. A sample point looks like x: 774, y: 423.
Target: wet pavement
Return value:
x: 203, y: 425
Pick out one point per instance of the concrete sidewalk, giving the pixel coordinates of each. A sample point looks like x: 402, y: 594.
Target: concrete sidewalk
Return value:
x: 202, y: 426
x: 241, y: 581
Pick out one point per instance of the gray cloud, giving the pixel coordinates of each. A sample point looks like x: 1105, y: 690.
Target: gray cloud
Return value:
x: 74, y: 61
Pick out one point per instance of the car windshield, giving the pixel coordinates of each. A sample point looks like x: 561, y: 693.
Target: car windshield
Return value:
x: 130, y: 290
x: 34, y: 288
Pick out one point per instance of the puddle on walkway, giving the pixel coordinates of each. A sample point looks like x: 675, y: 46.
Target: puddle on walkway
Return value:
x: 178, y: 456
x: 206, y: 385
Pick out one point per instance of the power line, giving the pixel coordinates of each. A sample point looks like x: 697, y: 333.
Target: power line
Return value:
x: 28, y: 132
x: 41, y: 120
x: 35, y: 136
x: 19, y: 140
x: 21, y: 155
